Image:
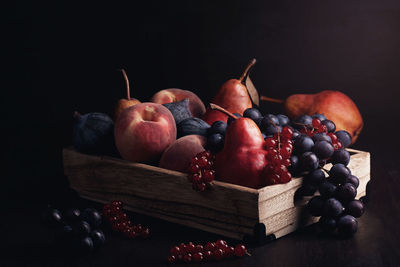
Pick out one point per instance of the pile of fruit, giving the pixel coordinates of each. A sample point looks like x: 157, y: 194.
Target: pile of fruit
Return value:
x: 232, y: 141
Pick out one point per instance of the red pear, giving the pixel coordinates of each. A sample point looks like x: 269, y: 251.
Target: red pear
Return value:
x: 243, y: 158
x: 335, y: 105
x: 124, y: 103
x: 232, y: 96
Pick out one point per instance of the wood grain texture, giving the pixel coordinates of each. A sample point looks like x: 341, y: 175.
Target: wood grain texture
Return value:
x: 226, y: 209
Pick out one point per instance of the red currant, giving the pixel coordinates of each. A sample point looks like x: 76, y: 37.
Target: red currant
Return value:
x: 145, y: 232
x: 194, y: 168
x: 272, y: 178
x: 182, y: 248
x: 285, y: 177
x: 316, y: 123
x: 171, y: 259
x: 190, y: 247
x: 208, y: 255
x: 218, y: 254
x: 286, y: 133
x: 187, y: 258
x: 333, y: 137
x: 203, y: 162
x: 270, y: 143
x: 175, y: 250
x: 117, y: 203
x: 229, y: 252
x: 286, y: 151
x: 210, y: 246
x: 240, y: 250
x: 208, y: 176
x: 205, y: 153
x: 196, y: 178
x: 286, y: 162
x: 221, y: 244
x: 198, y: 248
x: 201, y: 187
x: 322, y: 129
x: 197, y: 257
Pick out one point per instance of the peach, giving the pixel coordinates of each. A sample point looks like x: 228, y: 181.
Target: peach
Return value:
x: 178, y: 155
x: 174, y: 95
x: 143, y: 131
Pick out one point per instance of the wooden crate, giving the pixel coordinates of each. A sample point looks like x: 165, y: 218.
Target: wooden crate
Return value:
x: 227, y: 209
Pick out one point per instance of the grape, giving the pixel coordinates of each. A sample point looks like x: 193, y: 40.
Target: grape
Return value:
x: 92, y: 216
x: 307, y: 190
x: 252, y: 113
x: 267, y: 127
x: 272, y: 118
x: 215, y: 142
x: 72, y: 215
x: 294, y: 164
x: 296, y: 134
x: 98, y: 238
x: 327, y: 189
x: 283, y: 120
x: 302, y: 144
x: 258, y: 121
x: 321, y: 117
x: 321, y: 137
x: 52, y: 217
x: 355, y: 208
x: 64, y: 233
x: 345, y: 193
x: 347, y: 225
x: 315, y: 177
x: 230, y: 120
x: 339, y: 173
x: 341, y: 156
x: 81, y: 229
x: 299, y: 122
x: 309, y: 161
x: 316, y: 205
x: 217, y: 127
x: 332, y: 208
x: 85, y: 245
x: 354, y: 180
x: 323, y: 149
x: 330, y: 125
x: 344, y: 137
x: 327, y: 224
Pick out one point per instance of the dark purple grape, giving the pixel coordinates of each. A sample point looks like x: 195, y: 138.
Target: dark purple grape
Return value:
x: 294, y: 165
x: 267, y: 127
x: 283, y: 119
x: 272, y: 118
x: 81, y: 228
x: 98, y: 238
x: 315, y: 206
x: 92, y: 216
x: 332, y: 208
x: 327, y: 224
x: 85, y: 245
x: 344, y: 137
x: 302, y: 120
x: 258, y: 121
x: 64, y: 233
x: 302, y: 144
x: 307, y: 190
x: 321, y: 137
x: 323, y: 149
x: 341, y: 156
x: 315, y: 177
x: 296, y: 134
x: 339, y: 174
x: 354, y: 180
x: 230, y: 120
x: 321, y: 117
x: 330, y: 125
x: 327, y: 189
x: 215, y: 142
x: 308, y: 161
x: 217, y: 127
x: 347, y: 225
x: 252, y: 113
x: 345, y: 193
x: 355, y: 208
x: 72, y: 215
x: 51, y: 217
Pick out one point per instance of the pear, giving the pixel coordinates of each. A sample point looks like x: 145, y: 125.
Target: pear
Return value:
x: 232, y: 96
x: 123, y: 103
x: 335, y: 105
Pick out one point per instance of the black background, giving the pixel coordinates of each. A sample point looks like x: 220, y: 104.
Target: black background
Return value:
x: 61, y: 57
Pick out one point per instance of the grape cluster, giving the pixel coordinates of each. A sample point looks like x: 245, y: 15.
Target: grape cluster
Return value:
x: 216, y: 136
x: 75, y: 231
x: 201, y: 170
x: 120, y: 222
x: 336, y: 203
x: 217, y: 251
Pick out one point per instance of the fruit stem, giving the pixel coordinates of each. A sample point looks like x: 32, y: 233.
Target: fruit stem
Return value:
x: 76, y: 115
x: 246, y: 70
x: 219, y: 108
x: 270, y: 99
x: 128, y: 93
x: 247, y: 253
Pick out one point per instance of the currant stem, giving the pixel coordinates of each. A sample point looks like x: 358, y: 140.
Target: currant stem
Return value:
x: 219, y: 108
x: 247, y: 253
x: 128, y: 94
x: 246, y: 70
x: 270, y: 99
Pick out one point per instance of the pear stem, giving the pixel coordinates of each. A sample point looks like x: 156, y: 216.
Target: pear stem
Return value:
x: 219, y: 108
x: 76, y: 115
x: 246, y: 70
x: 128, y: 93
x: 270, y: 99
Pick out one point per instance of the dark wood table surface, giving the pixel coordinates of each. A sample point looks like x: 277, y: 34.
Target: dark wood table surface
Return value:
x: 26, y: 242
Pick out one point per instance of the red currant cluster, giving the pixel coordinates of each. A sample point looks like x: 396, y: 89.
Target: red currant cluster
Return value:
x: 211, y: 251
x: 279, y: 148
x: 201, y: 170
x: 319, y: 127
x: 120, y: 222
